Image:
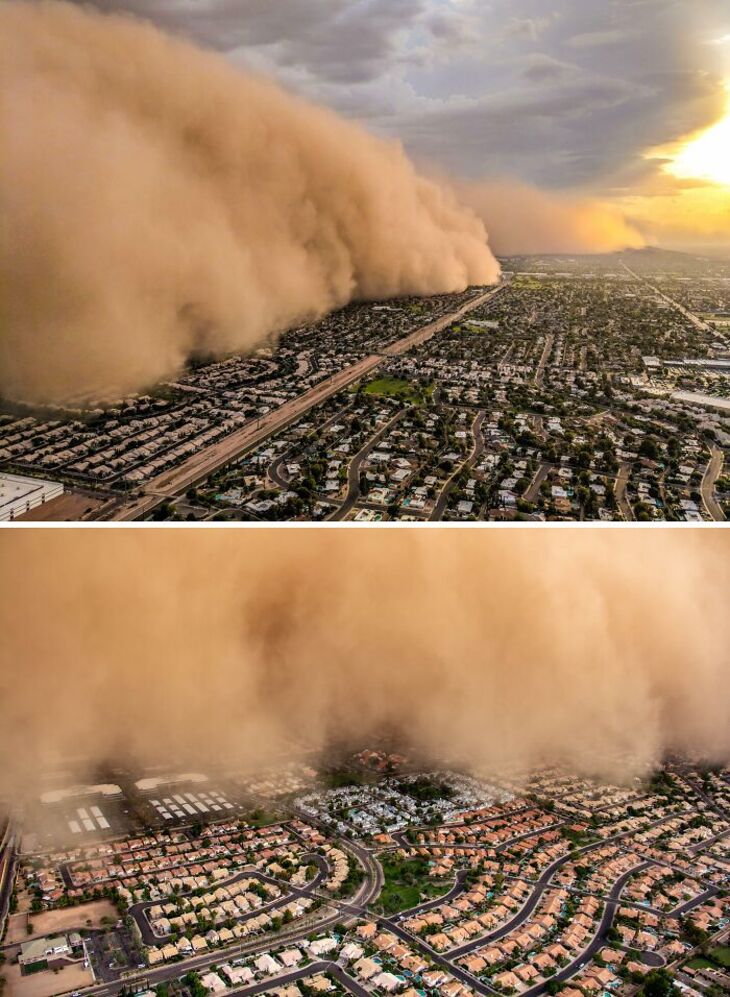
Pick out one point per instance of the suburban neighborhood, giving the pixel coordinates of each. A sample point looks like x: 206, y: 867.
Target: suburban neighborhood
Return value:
x: 376, y: 876
x: 579, y: 388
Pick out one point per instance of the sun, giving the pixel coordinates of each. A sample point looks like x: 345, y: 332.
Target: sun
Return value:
x: 706, y: 157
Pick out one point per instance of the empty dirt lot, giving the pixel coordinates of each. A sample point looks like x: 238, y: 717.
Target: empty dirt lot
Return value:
x: 52, y: 922
x: 69, y: 506
x: 46, y: 983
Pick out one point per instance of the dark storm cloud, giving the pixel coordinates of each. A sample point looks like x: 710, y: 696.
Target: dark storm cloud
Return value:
x: 563, y: 94
x: 334, y: 40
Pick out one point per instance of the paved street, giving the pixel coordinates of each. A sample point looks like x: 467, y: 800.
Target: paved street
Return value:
x: 707, y: 488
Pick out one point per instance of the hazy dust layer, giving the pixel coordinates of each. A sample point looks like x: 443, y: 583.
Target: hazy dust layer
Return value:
x: 523, y: 219
x: 605, y: 649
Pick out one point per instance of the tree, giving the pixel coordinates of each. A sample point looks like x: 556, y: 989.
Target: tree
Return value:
x: 659, y: 983
x: 648, y: 448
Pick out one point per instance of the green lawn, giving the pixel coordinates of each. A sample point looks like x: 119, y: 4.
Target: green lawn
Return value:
x: 527, y: 283
x: 395, y: 387
x: 407, y: 883
x: 721, y: 954
x: 260, y: 818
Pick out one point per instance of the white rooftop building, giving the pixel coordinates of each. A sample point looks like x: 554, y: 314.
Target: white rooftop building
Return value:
x: 19, y: 494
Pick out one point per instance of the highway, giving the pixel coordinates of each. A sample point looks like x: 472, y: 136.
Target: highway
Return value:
x: 7, y: 873
x: 694, y: 319
x: 213, y: 457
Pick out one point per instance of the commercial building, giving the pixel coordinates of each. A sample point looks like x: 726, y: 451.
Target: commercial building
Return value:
x: 44, y: 953
x: 19, y: 494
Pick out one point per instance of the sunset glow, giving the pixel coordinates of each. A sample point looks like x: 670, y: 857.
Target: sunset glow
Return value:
x: 706, y: 157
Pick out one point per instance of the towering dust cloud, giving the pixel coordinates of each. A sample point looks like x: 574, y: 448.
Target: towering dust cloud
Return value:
x: 156, y: 203
x: 602, y: 649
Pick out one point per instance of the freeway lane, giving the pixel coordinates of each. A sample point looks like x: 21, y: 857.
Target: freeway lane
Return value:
x: 694, y: 319
x: 211, y: 458
x: 7, y: 873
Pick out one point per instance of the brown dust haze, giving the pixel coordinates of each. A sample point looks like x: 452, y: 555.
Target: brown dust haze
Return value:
x: 523, y: 219
x: 158, y: 203
x: 601, y: 649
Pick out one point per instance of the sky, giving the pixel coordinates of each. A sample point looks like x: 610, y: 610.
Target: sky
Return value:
x: 597, y: 98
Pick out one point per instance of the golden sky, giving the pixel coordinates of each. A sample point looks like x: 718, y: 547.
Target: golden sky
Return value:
x: 687, y: 199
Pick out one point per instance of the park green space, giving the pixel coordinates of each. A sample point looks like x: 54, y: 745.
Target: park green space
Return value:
x: 717, y: 957
x: 406, y: 884
x: 396, y: 387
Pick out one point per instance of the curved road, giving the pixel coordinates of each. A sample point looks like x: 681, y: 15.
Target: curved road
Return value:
x: 274, y: 470
x: 600, y: 937
x: 707, y: 488
x: 620, y: 492
x: 139, y: 910
x: 353, y: 471
x: 476, y: 452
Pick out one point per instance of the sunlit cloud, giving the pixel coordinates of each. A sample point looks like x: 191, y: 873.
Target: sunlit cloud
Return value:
x: 706, y: 157
x: 703, y: 156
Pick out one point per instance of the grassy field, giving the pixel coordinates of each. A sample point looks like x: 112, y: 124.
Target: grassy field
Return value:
x: 721, y: 954
x: 407, y: 883
x: 395, y: 387
x: 261, y: 817
x: 717, y: 957
x: 700, y: 963
x: 527, y: 283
